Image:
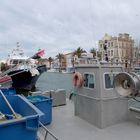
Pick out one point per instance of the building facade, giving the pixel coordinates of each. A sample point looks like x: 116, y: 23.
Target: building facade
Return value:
x: 119, y: 49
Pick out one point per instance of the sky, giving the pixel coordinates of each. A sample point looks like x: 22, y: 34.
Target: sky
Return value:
x: 61, y: 26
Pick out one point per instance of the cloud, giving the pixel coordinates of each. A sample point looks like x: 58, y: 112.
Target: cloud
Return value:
x: 63, y: 25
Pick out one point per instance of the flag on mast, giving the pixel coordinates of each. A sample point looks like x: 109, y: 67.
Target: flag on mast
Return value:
x: 39, y: 54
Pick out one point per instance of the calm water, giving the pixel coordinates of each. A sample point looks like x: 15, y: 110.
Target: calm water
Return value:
x: 53, y: 81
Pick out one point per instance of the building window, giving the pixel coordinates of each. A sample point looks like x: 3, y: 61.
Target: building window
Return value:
x: 89, y: 80
x: 111, y: 44
x: 117, y: 53
x: 111, y: 52
x: 122, y: 44
x: 126, y: 53
x: 108, y: 44
x: 135, y: 54
x: 108, y: 53
x: 100, y: 45
x: 101, y: 53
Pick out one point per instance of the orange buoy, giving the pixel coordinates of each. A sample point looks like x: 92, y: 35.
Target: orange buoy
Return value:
x: 77, y: 79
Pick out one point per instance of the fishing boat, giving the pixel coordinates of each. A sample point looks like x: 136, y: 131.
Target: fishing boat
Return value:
x: 23, y: 70
x: 26, y: 78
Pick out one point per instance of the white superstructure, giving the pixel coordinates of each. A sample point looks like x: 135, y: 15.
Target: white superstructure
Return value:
x: 17, y: 56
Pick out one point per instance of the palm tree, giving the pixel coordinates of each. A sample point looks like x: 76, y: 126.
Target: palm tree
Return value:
x: 60, y: 57
x: 50, y: 59
x: 93, y: 51
x: 78, y: 52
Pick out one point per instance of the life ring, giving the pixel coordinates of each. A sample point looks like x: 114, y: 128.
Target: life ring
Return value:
x: 77, y: 79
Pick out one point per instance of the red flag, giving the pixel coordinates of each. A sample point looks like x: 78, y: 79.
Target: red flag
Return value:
x: 40, y: 53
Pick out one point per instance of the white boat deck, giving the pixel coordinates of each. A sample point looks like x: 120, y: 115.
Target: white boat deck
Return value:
x: 66, y: 126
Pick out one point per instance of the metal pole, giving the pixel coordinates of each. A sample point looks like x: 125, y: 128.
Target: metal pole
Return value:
x: 7, y: 102
x: 47, y: 131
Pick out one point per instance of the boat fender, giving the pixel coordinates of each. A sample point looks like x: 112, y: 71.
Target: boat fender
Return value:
x: 77, y: 79
x: 34, y: 71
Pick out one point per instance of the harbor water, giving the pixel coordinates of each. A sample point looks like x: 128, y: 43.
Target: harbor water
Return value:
x: 54, y: 81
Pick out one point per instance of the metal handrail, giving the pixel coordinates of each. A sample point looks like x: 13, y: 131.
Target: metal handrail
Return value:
x: 11, y: 69
x: 96, y: 61
x: 18, y: 72
x: 47, y: 131
x: 25, y: 63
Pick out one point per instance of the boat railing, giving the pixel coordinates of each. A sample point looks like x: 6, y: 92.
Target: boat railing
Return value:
x: 46, y: 133
x: 92, y: 61
x: 25, y: 66
x: 7, y: 71
x: 12, y: 69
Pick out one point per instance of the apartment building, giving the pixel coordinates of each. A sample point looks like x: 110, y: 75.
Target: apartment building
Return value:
x: 118, y: 49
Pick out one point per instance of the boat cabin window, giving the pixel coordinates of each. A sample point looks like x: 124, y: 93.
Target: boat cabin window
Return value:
x: 15, y: 62
x: 20, y: 61
x: 109, y: 77
x: 89, y: 80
